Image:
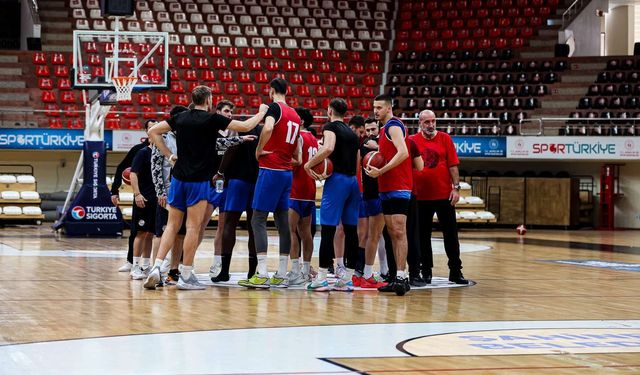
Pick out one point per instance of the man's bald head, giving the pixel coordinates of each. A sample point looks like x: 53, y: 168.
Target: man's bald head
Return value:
x: 427, y: 123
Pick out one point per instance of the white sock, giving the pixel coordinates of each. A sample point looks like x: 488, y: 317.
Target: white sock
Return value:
x: 282, y: 266
x: 145, y: 262
x: 217, y: 259
x: 168, y: 256
x: 340, y: 262
x: 186, y: 272
x: 306, y: 268
x: 382, y: 257
x: 136, y: 261
x: 262, y: 265
x: 322, y: 274
x: 295, y: 266
x: 368, y: 271
x: 400, y: 274
x: 158, y: 263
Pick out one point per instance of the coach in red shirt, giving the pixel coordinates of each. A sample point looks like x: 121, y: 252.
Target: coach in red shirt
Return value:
x: 436, y: 189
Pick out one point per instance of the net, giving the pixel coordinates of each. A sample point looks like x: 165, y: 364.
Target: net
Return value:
x: 124, y: 87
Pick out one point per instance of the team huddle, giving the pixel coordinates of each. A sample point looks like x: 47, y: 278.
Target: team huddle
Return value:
x: 197, y: 161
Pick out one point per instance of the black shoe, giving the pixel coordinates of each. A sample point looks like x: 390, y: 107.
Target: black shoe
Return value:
x: 385, y: 277
x: 457, y: 277
x: 331, y: 270
x: 401, y: 286
x: 426, y: 276
x: 417, y: 281
x: 389, y: 288
x: 220, y: 278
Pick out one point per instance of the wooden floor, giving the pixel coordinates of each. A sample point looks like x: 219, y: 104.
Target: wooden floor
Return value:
x: 59, y: 288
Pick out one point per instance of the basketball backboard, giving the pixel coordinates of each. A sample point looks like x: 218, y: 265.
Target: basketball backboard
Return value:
x: 98, y: 56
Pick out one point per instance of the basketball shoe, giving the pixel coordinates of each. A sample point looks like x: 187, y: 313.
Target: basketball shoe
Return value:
x: 256, y: 281
x: 189, y: 282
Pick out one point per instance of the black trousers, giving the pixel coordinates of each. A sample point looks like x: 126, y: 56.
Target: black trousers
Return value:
x: 132, y: 236
x: 419, y: 228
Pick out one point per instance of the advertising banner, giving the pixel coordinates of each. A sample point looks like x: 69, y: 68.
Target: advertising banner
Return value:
x: 123, y: 140
x: 573, y: 148
x: 45, y: 139
x: 484, y: 147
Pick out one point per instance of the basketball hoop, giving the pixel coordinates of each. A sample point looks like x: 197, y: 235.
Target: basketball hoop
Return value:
x: 124, y: 87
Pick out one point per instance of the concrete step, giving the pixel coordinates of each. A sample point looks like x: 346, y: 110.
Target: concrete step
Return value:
x: 543, y: 42
x: 55, y: 36
x: 568, y: 104
x: 8, y: 59
x: 537, y: 54
x: 588, y: 66
x: 548, y: 31
x: 56, y: 24
x: 57, y: 48
x: 571, y: 90
x: 54, y: 13
x: 13, y: 85
x: 11, y: 71
x: 571, y: 78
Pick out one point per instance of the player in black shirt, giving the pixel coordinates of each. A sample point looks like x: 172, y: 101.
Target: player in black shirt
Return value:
x: 145, y: 203
x: 196, y: 133
x: 115, y: 187
x: 340, y: 196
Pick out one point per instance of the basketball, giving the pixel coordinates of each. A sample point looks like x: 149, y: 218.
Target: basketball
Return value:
x: 126, y: 176
x: 324, y: 169
x: 521, y: 229
x: 373, y: 159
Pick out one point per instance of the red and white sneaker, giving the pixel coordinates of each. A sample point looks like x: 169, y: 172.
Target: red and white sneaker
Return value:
x: 371, y: 283
x: 356, y: 281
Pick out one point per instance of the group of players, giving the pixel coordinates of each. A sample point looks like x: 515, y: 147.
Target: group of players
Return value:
x: 198, y: 160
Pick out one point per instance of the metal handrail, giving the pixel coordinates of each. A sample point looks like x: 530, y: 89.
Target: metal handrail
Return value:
x: 572, y: 11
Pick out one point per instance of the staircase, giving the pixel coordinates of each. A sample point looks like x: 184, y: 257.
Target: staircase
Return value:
x: 57, y: 34
x: 15, y: 97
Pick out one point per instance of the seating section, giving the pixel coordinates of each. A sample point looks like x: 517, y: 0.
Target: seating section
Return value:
x: 437, y: 25
x: 323, y: 48
x: 18, y: 197
x: 465, y: 84
x: 611, y: 105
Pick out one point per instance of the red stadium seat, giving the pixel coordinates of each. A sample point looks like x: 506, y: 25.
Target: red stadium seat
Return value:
x: 289, y: 66
x: 369, y: 81
x: 232, y: 52
x: 39, y: 58
x: 214, y: 51
x: 261, y: 77
x: 68, y: 97
x: 334, y: 55
x: 283, y: 54
x: 52, y: 110
x: 300, y: 54
x: 45, y: 84
x: 64, y: 84
x: 202, y: 63
x: 321, y: 91
x: 215, y: 88
x: 192, y: 85
x: 264, y: 89
x: 292, y: 101
x: 324, y: 67
x: 244, y: 77
x: 75, y: 124
x: 314, y: 79
x: 190, y: 75
x: 338, y: 91
x: 177, y: 87
x: 237, y: 64
x: 254, y: 102
x: 133, y: 125
x: 317, y: 55
x: 307, y: 66
x: 231, y: 89
x: 173, y: 73
x: 129, y: 112
x: 255, y: 65
x: 365, y: 105
x: 273, y: 66
x: 57, y: 59
x: 208, y: 75
x: 71, y: 111
x: 349, y: 80
x: 197, y: 51
x: 179, y: 50
x: 330, y: 79
x: 368, y: 92
x: 144, y: 98
x: 184, y: 63
x: 112, y: 123
x: 303, y: 90
x: 266, y: 53
x: 296, y: 78
x: 62, y: 71
x: 238, y: 101
x: 182, y: 99
x: 220, y: 63
x: 311, y: 103
x: 354, y: 92
x: 357, y: 68
x: 249, y: 89
x: 42, y: 71
x: 226, y: 76
x: 149, y: 113
x: 340, y: 67
x: 249, y: 53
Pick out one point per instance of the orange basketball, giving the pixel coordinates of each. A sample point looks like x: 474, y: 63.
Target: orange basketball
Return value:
x: 324, y: 168
x: 373, y: 159
x: 126, y: 176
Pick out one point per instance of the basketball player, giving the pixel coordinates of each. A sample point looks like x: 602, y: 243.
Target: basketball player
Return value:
x: 302, y: 203
x: 115, y: 187
x: 161, y: 175
x: 239, y: 169
x: 437, y: 189
x: 196, y: 135
x: 340, y: 197
x: 145, y: 207
x: 395, y: 182
x: 277, y: 146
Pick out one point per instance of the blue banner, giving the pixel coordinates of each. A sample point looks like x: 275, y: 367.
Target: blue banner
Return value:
x: 484, y: 147
x: 46, y: 139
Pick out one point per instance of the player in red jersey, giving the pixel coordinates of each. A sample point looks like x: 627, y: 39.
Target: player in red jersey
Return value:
x: 302, y: 203
x: 277, y: 148
x: 395, y: 182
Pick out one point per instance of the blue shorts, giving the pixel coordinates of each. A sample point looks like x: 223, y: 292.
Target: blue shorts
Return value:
x: 371, y: 207
x: 239, y: 194
x: 340, y: 200
x: 186, y: 194
x: 272, y: 190
x: 396, y: 194
x: 216, y: 199
x: 303, y: 208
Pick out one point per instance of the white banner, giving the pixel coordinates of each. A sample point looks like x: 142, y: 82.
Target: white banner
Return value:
x: 574, y: 148
x: 123, y: 140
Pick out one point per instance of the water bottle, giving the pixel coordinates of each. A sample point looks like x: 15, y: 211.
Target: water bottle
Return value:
x: 219, y: 185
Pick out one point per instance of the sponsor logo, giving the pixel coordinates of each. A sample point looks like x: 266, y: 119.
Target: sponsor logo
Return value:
x: 140, y: 223
x: 78, y: 213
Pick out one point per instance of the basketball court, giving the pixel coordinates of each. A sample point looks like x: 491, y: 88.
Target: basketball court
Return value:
x: 549, y: 301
